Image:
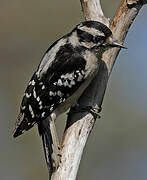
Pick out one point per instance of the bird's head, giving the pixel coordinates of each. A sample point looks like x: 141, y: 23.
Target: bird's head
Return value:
x: 94, y: 35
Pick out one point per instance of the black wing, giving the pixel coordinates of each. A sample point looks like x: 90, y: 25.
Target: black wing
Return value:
x: 50, y: 86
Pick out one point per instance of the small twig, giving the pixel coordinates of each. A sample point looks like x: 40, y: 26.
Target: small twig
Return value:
x: 79, y: 125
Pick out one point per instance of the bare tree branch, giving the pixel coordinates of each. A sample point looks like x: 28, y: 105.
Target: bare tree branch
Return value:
x: 79, y: 125
x: 92, y: 11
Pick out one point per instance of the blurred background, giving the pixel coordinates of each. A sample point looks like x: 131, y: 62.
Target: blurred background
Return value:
x: 117, y: 148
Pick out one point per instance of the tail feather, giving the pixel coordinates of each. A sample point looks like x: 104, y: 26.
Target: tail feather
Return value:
x: 45, y: 132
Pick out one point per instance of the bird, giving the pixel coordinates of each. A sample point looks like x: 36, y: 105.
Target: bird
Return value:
x: 65, y: 71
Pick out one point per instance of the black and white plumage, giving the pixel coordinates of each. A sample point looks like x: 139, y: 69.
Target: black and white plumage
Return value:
x: 67, y: 68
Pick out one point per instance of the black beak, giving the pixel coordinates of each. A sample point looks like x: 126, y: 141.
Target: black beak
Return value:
x: 115, y: 44
x: 112, y: 43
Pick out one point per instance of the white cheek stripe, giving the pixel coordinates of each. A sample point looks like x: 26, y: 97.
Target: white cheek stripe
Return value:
x: 91, y: 31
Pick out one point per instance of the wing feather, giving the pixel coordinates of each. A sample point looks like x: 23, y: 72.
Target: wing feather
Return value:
x: 47, y: 91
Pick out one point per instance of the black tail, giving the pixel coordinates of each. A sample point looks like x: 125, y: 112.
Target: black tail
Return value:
x: 45, y: 133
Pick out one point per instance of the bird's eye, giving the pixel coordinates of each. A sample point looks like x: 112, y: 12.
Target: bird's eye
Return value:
x: 98, y: 39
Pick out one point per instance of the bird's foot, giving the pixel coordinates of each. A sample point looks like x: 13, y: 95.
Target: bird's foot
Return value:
x: 94, y: 111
